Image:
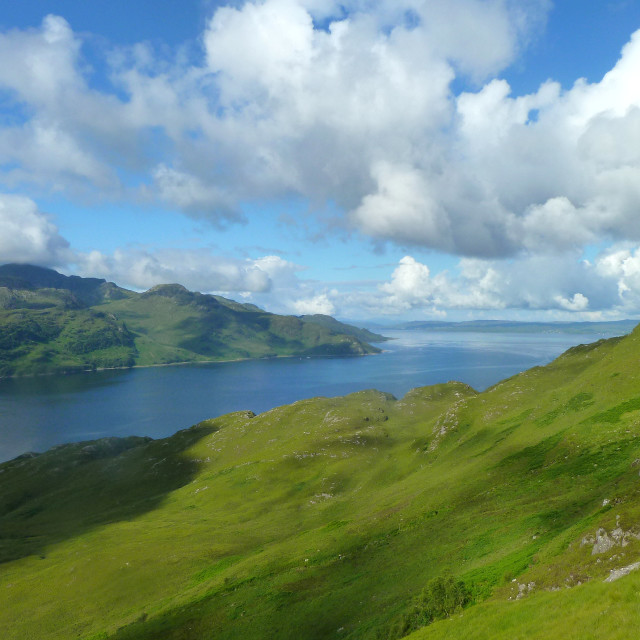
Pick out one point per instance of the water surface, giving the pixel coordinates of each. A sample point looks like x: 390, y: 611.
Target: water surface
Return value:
x: 37, y: 413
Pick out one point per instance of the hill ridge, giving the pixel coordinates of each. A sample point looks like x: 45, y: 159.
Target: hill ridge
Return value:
x: 62, y: 324
x: 341, y: 516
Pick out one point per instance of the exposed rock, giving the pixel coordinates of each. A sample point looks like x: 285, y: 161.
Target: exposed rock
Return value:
x: 623, y: 571
x: 603, y: 540
x: 524, y: 589
x: 448, y: 421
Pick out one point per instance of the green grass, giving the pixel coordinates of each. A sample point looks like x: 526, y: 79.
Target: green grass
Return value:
x: 58, y: 340
x: 327, y: 518
x: 591, y: 611
x: 46, y: 330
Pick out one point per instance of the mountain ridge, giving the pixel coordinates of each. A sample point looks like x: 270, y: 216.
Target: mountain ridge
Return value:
x: 342, y: 517
x: 45, y: 316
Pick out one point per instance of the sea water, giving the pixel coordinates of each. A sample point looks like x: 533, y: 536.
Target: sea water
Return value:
x: 39, y: 412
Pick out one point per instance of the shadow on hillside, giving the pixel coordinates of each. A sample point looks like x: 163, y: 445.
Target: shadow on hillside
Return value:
x: 74, y: 488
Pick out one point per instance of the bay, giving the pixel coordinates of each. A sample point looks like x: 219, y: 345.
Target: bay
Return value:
x: 37, y: 413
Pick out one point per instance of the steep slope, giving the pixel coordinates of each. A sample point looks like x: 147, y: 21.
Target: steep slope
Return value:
x: 62, y: 340
x: 38, y: 287
x: 54, y: 323
x: 331, y: 323
x: 173, y: 324
x: 328, y: 517
x: 47, y: 324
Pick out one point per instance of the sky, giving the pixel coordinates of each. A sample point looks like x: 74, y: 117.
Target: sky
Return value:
x: 378, y: 161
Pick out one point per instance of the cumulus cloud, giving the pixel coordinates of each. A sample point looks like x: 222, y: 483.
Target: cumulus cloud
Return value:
x: 197, y: 269
x: 331, y: 101
x: 577, y: 303
x: 411, y: 285
x: 621, y: 265
x: 564, y: 285
x: 482, y: 174
x: 608, y: 285
x: 191, y: 195
x: 317, y: 304
x: 29, y: 236
x: 39, y: 73
x: 350, y: 103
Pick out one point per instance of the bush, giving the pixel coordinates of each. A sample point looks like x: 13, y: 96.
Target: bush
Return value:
x: 442, y: 597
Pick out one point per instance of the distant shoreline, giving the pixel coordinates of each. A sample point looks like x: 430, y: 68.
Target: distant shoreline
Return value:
x: 181, y: 363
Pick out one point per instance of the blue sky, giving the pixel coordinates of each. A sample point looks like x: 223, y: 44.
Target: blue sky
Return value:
x: 399, y: 159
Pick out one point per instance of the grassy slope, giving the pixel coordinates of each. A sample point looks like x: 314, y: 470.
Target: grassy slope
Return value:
x: 62, y: 340
x: 50, y: 323
x: 331, y: 323
x: 172, y: 324
x: 326, y: 518
x: 46, y: 330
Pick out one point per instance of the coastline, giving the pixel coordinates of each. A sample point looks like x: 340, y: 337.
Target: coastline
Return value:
x: 181, y: 363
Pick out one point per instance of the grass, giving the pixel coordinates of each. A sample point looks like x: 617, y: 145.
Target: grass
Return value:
x: 62, y: 340
x: 172, y: 325
x: 588, y: 612
x: 48, y: 330
x: 328, y: 517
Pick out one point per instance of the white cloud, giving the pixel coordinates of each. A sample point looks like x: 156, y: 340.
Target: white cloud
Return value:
x: 402, y: 209
x: 317, y: 304
x: 188, y: 193
x: 29, y: 236
x: 196, y: 269
x: 361, y: 113
x: 410, y: 286
x: 276, y: 106
x: 278, y: 268
x: 46, y: 69
x: 557, y: 166
x: 577, y: 303
x: 621, y: 265
x: 562, y: 285
x: 607, y: 286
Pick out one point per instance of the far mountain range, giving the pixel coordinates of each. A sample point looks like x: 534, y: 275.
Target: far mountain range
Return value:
x: 52, y: 323
x: 613, y: 327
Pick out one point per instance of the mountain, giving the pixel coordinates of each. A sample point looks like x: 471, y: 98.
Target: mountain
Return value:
x: 331, y: 323
x: 511, y: 513
x: 54, y: 323
x: 47, y: 287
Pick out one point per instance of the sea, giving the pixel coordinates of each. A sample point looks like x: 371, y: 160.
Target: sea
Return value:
x: 37, y: 413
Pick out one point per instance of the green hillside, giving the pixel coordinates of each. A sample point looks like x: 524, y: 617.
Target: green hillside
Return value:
x: 54, y: 323
x: 331, y: 323
x: 27, y: 281
x: 355, y: 517
x: 53, y: 340
x: 172, y: 324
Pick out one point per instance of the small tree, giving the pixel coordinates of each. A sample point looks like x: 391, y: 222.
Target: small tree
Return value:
x: 442, y: 597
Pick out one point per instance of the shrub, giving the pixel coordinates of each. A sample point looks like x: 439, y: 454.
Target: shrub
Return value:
x: 442, y: 597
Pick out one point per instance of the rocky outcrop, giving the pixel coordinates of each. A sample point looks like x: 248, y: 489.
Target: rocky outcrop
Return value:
x: 603, y: 540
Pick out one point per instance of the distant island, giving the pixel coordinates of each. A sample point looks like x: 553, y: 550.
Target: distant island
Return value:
x: 52, y: 323
x: 513, y: 326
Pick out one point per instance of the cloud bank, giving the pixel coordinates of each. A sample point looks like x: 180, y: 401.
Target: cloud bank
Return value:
x: 608, y: 287
x: 348, y: 104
